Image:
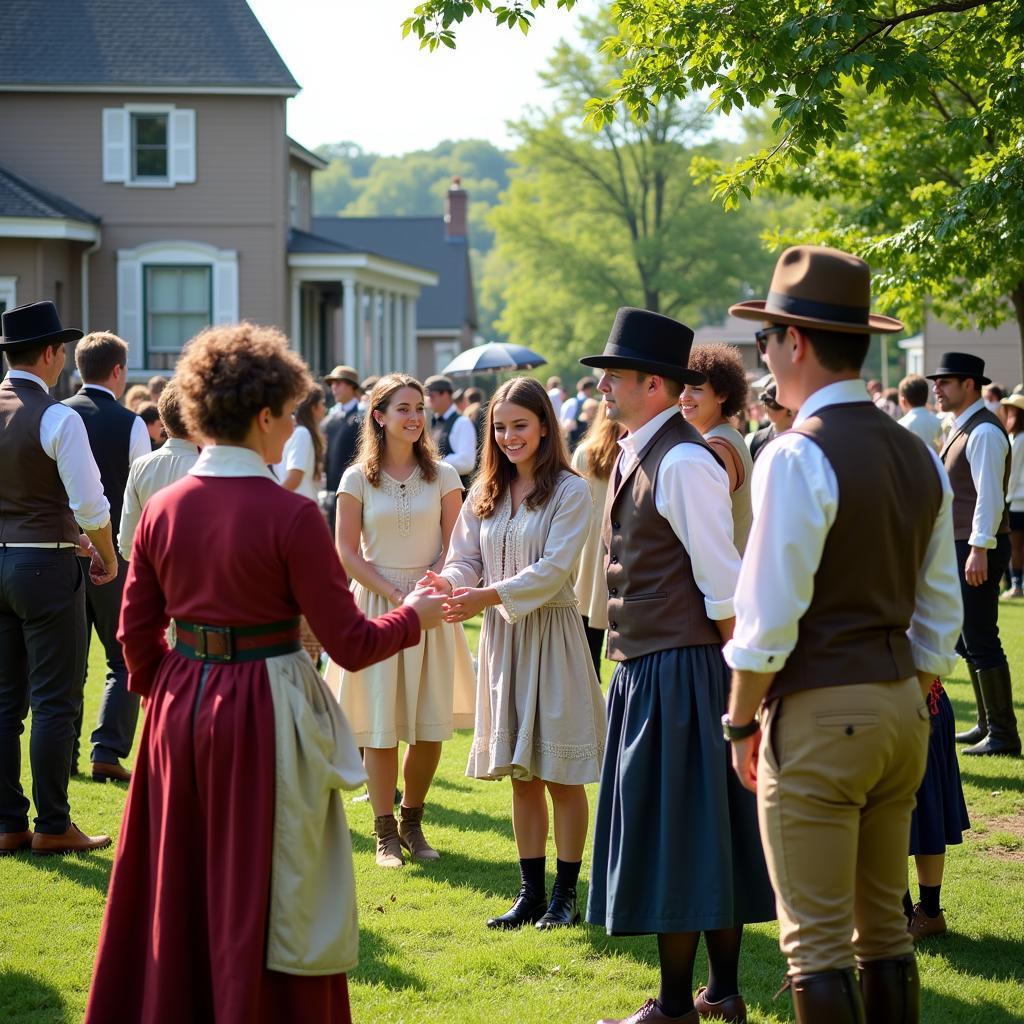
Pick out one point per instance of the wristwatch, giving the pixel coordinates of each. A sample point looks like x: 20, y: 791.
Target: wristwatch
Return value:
x: 738, y: 732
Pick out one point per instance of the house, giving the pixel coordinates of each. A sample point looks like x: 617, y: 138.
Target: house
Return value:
x: 1000, y: 347
x: 734, y: 331
x: 148, y: 186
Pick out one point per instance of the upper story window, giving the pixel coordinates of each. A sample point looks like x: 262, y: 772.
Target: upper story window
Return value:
x: 149, y: 145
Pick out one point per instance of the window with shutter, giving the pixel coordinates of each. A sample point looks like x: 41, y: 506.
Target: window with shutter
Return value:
x: 149, y: 145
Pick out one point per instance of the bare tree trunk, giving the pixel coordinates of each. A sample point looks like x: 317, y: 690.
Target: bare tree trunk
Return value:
x: 1017, y: 298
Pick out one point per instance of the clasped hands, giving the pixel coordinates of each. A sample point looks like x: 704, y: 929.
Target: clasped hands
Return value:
x: 463, y: 602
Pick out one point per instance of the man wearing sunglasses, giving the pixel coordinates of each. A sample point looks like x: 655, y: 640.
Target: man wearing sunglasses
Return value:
x: 839, y: 660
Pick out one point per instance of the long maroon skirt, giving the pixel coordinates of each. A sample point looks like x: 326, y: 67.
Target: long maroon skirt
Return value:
x: 185, y: 930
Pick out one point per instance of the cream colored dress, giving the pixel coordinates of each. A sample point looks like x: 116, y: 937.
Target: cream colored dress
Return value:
x: 426, y: 691
x: 742, y: 510
x: 539, y: 709
x: 592, y: 581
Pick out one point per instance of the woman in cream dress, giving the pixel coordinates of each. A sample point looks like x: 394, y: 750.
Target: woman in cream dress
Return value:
x: 594, y: 460
x: 396, y: 508
x: 540, y: 715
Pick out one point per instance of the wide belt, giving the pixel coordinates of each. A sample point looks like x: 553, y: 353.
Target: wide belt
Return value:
x: 237, y: 643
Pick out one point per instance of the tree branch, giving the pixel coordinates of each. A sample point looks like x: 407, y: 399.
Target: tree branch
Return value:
x: 949, y: 7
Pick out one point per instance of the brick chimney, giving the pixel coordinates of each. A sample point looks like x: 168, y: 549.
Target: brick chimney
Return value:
x: 455, y: 211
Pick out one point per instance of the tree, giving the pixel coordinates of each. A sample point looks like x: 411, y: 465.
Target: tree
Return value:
x: 821, y: 66
x: 591, y: 223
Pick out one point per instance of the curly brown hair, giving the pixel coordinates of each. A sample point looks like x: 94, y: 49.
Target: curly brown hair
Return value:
x: 723, y: 367
x: 497, y: 472
x: 228, y: 374
x: 373, y: 440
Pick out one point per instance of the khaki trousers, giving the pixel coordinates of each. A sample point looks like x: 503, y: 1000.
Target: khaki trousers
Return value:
x: 838, y: 771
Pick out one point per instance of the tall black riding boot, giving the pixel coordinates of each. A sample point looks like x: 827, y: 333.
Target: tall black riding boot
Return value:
x: 891, y: 990
x: 831, y: 997
x: 1003, y: 737
x: 978, y: 732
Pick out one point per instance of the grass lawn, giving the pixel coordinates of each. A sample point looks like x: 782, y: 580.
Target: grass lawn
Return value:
x: 426, y: 954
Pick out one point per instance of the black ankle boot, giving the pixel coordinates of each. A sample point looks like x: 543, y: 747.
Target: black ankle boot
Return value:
x: 529, y: 907
x: 891, y: 990
x: 562, y: 910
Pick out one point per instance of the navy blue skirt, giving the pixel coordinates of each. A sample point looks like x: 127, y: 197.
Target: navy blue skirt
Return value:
x: 676, y: 840
x: 940, y: 817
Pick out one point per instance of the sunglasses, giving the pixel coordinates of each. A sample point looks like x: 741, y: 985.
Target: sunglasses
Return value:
x: 762, y: 336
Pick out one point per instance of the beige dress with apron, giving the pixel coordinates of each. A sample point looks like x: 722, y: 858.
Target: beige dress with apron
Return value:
x: 426, y: 691
x: 592, y: 581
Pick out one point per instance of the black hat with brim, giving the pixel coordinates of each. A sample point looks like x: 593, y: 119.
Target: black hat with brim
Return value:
x: 34, y: 324
x: 961, y: 364
x: 650, y: 343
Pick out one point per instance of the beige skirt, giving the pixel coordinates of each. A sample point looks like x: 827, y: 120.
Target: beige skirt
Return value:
x: 422, y: 693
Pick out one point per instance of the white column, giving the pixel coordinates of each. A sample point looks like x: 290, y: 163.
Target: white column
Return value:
x: 411, y: 353
x: 348, y: 304
x: 296, y: 313
x: 359, y: 359
x: 394, y: 357
x: 375, y: 331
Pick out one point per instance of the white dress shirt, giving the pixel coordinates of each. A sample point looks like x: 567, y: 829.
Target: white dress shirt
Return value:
x: 152, y: 473
x: 555, y: 394
x: 571, y: 409
x: 1015, y: 488
x: 340, y: 408
x: 463, y: 443
x: 691, y: 491
x: 139, y: 442
x: 63, y: 438
x: 299, y: 454
x: 987, y: 452
x: 923, y: 422
x: 796, y: 498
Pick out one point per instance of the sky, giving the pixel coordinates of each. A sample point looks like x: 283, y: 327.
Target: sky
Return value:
x: 362, y: 82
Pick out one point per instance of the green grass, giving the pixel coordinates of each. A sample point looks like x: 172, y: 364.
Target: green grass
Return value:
x: 426, y: 954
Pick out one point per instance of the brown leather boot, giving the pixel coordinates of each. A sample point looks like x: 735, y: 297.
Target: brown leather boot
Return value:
x: 891, y: 990
x: 389, y: 847
x: 924, y: 927
x: 410, y: 834
x: 731, y: 1009
x: 831, y: 997
x: 72, y: 841
x: 110, y: 771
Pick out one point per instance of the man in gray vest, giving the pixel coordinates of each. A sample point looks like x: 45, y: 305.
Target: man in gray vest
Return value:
x: 50, y: 493
x: 977, y: 457
x: 117, y: 437
x: 453, y: 434
x: 676, y: 849
x: 839, y: 659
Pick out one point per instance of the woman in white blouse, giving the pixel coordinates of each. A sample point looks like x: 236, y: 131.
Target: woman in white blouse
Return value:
x: 303, y: 460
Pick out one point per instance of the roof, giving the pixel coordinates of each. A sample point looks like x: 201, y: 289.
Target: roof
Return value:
x: 303, y: 241
x: 307, y: 156
x: 20, y: 199
x: 139, y: 44
x: 420, y: 241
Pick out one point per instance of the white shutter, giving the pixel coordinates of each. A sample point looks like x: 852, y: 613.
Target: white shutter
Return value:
x: 116, y: 144
x: 129, y: 309
x: 225, y: 289
x: 182, y: 146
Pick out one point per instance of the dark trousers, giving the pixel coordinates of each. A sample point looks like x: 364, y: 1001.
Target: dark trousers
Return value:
x: 595, y: 641
x: 42, y: 656
x: 979, y: 639
x: 119, y: 710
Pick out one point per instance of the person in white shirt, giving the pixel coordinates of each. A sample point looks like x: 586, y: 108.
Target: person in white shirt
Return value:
x: 557, y: 394
x: 158, y: 469
x: 976, y: 455
x: 302, y: 464
x: 917, y: 417
x: 839, y: 658
x: 453, y: 434
x: 586, y: 387
x: 1014, y: 408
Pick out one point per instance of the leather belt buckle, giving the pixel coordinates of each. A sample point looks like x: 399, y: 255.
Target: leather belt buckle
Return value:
x: 202, y: 648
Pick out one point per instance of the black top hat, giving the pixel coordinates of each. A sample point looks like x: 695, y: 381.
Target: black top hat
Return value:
x: 34, y: 324
x: 961, y: 364
x: 648, y: 342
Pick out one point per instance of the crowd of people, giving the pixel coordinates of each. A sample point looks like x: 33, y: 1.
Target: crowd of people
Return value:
x: 770, y: 683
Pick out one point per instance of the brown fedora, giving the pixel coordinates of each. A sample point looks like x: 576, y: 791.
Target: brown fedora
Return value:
x: 815, y: 286
x: 340, y: 373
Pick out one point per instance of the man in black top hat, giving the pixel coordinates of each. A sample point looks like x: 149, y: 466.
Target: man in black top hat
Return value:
x: 671, y: 569
x: 117, y: 437
x: 46, y: 470
x: 342, y: 427
x: 977, y: 458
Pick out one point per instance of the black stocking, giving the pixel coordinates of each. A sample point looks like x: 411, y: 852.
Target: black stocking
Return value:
x: 677, y: 951
x: 723, y: 962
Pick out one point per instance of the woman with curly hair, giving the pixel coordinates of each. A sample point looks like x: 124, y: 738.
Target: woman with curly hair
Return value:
x: 709, y: 407
x: 232, y: 895
x: 539, y: 714
x: 397, y: 505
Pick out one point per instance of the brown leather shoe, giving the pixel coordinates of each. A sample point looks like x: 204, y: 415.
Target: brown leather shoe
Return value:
x: 389, y: 846
x: 651, y: 1013
x: 924, y: 927
x: 12, y: 842
x: 72, y: 841
x: 410, y: 834
x: 105, y: 771
x: 731, y: 1009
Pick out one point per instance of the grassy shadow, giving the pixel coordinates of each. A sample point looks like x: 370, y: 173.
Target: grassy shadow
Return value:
x: 473, y: 821
x: 990, y: 956
x: 84, y: 869
x: 378, y: 961
x: 984, y: 780
x: 26, y: 999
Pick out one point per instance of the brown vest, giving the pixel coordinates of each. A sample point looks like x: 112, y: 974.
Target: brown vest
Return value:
x: 33, y: 503
x: 654, y: 604
x: 890, y: 492
x: 965, y: 494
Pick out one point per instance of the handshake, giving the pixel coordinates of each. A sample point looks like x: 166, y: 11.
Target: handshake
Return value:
x: 435, y: 601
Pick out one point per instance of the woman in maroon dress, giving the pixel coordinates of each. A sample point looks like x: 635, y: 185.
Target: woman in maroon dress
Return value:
x: 232, y: 896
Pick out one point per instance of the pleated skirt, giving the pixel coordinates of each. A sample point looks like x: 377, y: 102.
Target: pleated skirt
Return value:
x: 676, y: 840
